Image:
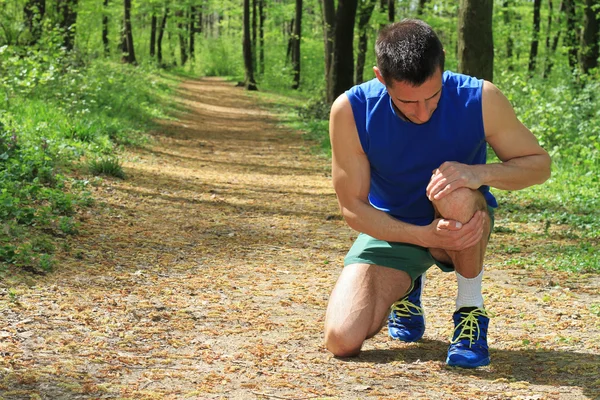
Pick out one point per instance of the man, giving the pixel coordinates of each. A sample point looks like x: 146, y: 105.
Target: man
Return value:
x: 410, y: 173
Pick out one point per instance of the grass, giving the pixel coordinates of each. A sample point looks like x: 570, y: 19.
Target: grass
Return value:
x: 109, y: 166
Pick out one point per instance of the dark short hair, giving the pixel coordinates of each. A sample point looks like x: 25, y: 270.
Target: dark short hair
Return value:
x: 408, y: 51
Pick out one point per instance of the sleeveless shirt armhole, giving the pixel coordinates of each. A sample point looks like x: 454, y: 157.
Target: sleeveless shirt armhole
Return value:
x: 358, y: 102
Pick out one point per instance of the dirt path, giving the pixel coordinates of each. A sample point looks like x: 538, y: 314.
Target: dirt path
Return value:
x: 206, y: 275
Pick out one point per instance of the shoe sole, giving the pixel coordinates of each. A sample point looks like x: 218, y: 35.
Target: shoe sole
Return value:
x: 482, y: 363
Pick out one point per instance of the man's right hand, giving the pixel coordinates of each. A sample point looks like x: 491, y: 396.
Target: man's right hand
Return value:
x: 451, y: 235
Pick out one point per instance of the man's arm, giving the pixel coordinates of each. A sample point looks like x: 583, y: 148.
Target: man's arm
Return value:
x: 352, y: 179
x: 524, y: 161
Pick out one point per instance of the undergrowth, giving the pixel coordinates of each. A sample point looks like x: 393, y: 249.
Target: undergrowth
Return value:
x: 55, y: 111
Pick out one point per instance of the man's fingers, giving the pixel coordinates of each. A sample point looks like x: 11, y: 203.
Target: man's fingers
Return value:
x: 450, y: 225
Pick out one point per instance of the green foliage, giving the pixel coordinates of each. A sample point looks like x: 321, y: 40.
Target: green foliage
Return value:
x: 55, y: 109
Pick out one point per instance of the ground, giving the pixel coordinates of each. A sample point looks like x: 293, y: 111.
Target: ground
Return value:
x: 206, y: 273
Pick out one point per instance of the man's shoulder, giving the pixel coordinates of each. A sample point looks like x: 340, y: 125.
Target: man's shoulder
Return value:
x: 461, y: 81
x: 368, y: 90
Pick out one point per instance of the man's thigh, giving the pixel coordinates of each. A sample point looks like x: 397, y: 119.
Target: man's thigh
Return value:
x: 361, y: 299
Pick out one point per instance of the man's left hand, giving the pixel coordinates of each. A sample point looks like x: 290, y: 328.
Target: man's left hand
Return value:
x: 449, y: 177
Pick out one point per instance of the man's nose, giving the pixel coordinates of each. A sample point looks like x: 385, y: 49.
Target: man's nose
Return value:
x: 422, y: 111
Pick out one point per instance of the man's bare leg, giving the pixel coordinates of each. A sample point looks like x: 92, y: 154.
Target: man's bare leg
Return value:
x: 359, y: 305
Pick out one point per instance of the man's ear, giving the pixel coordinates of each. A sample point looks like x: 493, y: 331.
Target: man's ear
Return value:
x: 378, y: 75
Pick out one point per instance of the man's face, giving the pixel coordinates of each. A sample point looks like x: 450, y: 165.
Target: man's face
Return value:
x: 416, y: 103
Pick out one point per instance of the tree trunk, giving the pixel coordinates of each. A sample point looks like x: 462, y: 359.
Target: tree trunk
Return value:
x: 261, y: 35
x: 365, y: 12
x: 201, y: 18
x: 192, y: 32
x: 571, y: 41
x: 342, y: 68
x: 105, y: 42
x: 510, y: 43
x: 289, y: 33
x: 421, y: 7
x: 549, y: 60
x: 548, y: 40
x: 161, y: 32
x: 249, y: 83
x: 254, y: 33
x: 297, y: 36
x: 391, y: 10
x: 129, y: 54
x: 536, y: 36
x: 34, y: 11
x: 153, y: 26
x: 329, y: 37
x: 181, y: 28
x: 475, y: 40
x: 589, y: 38
x: 67, y: 10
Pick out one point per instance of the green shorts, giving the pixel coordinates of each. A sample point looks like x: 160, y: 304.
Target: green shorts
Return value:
x: 410, y: 258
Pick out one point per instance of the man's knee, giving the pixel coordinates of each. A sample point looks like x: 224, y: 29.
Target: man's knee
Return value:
x: 341, y: 343
x: 461, y: 204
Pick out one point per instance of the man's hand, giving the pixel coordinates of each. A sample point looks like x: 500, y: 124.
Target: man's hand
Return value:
x: 452, y: 235
x: 451, y: 176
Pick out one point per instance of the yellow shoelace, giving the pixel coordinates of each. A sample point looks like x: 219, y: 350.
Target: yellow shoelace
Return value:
x: 469, y: 325
x: 404, y: 308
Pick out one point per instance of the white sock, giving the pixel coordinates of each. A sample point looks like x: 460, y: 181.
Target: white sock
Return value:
x: 469, y: 291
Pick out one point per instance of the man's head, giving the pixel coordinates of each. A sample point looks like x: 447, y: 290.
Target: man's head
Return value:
x: 408, y: 51
x: 410, y: 62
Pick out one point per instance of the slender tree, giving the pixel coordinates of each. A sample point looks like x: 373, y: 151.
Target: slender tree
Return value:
x: 342, y: 67
x: 290, y: 35
x: 554, y: 46
x: 153, y: 28
x: 364, y: 15
x: 507, y: 12
x: 201, y: 17
x: 383, y: 8
x: 548, y: 40
x: 589, y: 38
x: 571, y: 34
x: 249, y: 83
x: 475, y: 40
x: 261, y: 36
x: 537, y: 4
x: 329, y: 38
x: 161, y: 32
x: 105, y: 42
x: 34, y: 11
x: 128, y: 51
x: 391, y: 10
x: 421, y: 7
x: 192, y: 31
x: 297, y: 36
x: 67, y: 14
x: 254, y: 33
x: 181, y: 30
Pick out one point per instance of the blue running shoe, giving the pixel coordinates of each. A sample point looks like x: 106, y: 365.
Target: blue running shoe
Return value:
x: 406, y: 321
x: 469, y: 348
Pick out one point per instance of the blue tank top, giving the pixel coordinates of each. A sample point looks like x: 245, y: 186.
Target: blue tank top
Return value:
x: 402, y: 155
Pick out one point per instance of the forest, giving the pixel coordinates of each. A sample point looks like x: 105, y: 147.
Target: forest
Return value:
x: 80, y: 79
x: 168, y: 225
